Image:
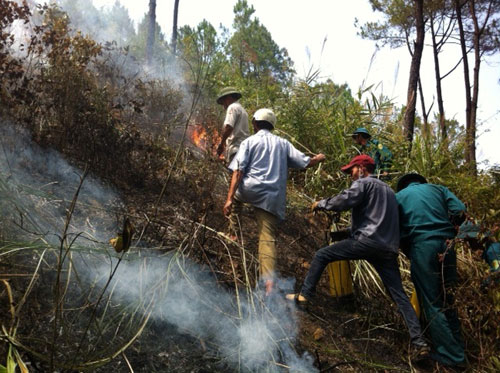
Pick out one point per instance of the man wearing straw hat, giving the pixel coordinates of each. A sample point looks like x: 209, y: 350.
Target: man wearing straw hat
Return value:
x: 374, y: 237
x: 429, y: 218
x: 234, y: 131
x: 235, y: 127
x: 260, y: 171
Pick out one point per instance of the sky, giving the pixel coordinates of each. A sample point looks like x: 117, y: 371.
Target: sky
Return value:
x: 320, y: 34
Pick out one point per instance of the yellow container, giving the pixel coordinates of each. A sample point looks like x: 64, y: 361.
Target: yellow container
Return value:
x: 414, y: 303
x: 339, y: 273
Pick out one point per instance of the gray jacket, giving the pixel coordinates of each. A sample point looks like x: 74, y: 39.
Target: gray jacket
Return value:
x: 374, y: 212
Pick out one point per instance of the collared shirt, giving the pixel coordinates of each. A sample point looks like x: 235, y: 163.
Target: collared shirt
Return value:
x: 374, y: 212
x: 264, y: 160
x: 380, y: 154
x: 237, y: 118
x: 424, y: 211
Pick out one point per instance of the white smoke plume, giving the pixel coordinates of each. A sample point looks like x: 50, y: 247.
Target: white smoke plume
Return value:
x: 36, y: 189
x: 250, y: 331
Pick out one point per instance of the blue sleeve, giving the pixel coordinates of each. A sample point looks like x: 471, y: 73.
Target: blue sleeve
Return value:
x: 296, y: 159
x: 346, y: 200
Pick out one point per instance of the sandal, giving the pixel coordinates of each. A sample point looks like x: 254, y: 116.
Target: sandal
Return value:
x: 419, y: 352
x: 298, y: 298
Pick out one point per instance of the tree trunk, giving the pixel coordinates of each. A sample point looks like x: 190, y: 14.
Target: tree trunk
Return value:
x: 425, y: 116
x: 151, y: 32
x: 409, y: 117
x: 439, y: 92
x: 174, y: 27
x: 471, y: 148
x: 468, y: 100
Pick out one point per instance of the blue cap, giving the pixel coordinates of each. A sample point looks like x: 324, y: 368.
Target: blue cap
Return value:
x: 361, y: 130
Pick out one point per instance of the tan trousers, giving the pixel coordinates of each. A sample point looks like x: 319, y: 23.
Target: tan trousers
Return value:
x: 234, y: 217
x: 267, y: 228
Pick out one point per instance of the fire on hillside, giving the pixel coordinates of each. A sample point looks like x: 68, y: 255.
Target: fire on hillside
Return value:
x: 204, y: 140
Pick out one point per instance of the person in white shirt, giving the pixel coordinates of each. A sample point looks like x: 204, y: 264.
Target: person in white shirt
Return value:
x: 260, y: 171
x: 234, y: 131
x: 235, y: 127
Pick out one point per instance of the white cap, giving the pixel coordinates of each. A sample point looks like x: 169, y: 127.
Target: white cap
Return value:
x: 266, y: 115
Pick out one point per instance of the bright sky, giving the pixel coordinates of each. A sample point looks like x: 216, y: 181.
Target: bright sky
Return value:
x: 302, y: 27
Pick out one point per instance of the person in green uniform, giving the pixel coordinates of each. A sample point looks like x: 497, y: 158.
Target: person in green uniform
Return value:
x: 375, y: 149
x: 485, y: 240
x: 429, y: 218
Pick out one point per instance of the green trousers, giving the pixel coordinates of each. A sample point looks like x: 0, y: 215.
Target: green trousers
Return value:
x: 434, y: 280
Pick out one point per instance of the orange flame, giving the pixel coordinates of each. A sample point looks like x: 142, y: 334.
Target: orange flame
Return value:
x: 205, y: 140
x: 199, y: 137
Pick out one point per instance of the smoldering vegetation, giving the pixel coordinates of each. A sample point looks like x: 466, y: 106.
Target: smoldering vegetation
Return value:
x: 248, y: 331
x: 38, y: 187
x: 96, y: 302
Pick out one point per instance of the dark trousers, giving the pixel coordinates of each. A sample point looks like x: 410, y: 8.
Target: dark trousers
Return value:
x: 434, y: 281
x: 386, y: 265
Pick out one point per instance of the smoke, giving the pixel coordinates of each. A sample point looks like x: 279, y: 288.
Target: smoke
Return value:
x: 247, y: 330
x: 36, y: 189
x: 252, y: 332
x: 113, y: 27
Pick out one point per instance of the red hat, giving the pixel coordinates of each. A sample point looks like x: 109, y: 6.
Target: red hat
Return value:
x: 359, y: 160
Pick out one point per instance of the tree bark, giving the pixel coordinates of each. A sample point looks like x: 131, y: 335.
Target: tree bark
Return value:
x: 409, y: 117
x: 174, y: 27
x: 425, y: 116
x: 468, y: 97
x: 439, y: 92
x: 151, y: 32
x: 471, y: 136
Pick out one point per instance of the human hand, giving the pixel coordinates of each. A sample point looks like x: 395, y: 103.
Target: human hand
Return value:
x: 314, y: 206
x: 321, y: 157
x: 220, y: 149
x: 228, y: 206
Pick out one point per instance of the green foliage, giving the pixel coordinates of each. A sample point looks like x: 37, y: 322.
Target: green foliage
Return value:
x: 252, y: 52
x: 319, y: 116
x: 395, y: 29
x: 248, y: 59
x: 161, y: 52
x: 487, y: 15
x: 201, y: 50
x: 441, y: 162
x: 11, y: 364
